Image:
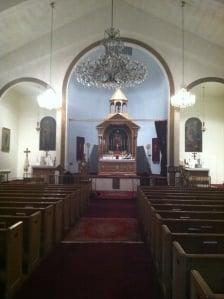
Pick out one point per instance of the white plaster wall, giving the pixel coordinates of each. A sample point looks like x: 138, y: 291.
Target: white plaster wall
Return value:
x: 213, y: 138
x: 9, y: 119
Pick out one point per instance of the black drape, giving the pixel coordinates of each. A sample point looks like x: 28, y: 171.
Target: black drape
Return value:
x: 161, y: 131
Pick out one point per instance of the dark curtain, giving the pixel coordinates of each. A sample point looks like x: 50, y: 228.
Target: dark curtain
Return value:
x: 161, y: 131
x: 80, y: 141
x: 155, y: 151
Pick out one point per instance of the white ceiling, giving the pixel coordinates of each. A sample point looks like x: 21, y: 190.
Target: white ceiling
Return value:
x: 23, y: 21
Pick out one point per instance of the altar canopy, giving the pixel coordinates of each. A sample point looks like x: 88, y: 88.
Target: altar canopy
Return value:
x: 117, y: 139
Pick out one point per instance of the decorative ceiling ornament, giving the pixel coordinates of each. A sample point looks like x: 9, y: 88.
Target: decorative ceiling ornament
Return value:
x: 112, y: 69
x: 183, y: 98
x: 48, y: 99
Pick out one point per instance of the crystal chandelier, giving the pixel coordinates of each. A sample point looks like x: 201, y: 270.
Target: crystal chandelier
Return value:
x: 183, y: 98
x: 112, y: 69
x: 48, y: 99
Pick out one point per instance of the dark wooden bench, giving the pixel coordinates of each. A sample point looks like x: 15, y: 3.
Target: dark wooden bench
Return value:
x: 216, y: 232
x: 195, y: 255
x: 47, y: 222
x: 11, y: 255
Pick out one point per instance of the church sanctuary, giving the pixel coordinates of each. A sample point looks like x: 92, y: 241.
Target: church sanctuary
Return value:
x: 111, y: 149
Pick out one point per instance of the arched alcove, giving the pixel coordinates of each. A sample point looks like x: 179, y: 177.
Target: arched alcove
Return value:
x: 21, y: 114
x: 209, y: 109
x: 79, y: 106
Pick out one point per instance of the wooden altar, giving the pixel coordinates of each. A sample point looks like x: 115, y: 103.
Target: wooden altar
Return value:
x: 117, y: 166
x: 117, y: 139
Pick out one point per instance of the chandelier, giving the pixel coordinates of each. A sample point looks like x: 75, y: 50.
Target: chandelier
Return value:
x: 112, y: 69
x: 48, y: 99
x: 183, y: 98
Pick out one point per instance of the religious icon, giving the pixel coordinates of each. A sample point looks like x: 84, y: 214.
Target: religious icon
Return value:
x: 5, y: 140
x: 193, y: 135
x: 47, y: 134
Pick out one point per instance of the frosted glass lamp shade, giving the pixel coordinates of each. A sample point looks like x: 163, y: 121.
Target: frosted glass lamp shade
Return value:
x: 48, y: 100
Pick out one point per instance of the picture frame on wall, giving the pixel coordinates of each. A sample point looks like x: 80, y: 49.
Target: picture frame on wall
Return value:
x: 5, y: 140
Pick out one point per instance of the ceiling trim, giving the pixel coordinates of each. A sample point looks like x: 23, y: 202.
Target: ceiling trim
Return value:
x: 203, y: 80
x: 20, y: 80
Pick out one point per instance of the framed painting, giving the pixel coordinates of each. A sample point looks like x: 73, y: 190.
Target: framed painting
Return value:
x: 47, y: 134
x: 5, y: 140
x: 193, y: 135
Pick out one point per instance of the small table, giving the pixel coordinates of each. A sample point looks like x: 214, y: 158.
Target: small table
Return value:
x: 4, y: 175
x: 197, y: 176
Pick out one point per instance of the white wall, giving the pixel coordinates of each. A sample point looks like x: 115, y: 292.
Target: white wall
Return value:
x: 9, y: 119
x: 213, y: 138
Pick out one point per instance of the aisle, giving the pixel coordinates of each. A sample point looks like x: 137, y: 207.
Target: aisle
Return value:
x: 106, y: 269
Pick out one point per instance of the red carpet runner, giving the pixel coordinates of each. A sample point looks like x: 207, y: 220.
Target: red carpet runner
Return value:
x: 119, y: 268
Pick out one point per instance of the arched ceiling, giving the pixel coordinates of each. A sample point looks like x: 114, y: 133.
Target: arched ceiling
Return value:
x: 24, y: 21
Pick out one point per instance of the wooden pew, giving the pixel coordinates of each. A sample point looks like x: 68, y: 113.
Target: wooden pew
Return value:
x: 194, y: 255
x: 207, y: 284
x: 60, y: 207
x: 79, y: 194
x: 31, y: 236
x: 159, y: 216
x: 11, y: 253
x: 215, y: 231
x: 154, y: 208
x: 47, y: 222
x: 44, y: 196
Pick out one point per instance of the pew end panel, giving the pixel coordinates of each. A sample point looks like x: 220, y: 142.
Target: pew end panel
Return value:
x: 207, y: 285
x: 11, y: 256
x: 184, y: 262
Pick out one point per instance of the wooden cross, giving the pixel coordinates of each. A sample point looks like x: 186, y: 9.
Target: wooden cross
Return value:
x: 194, y: 155
x: 27, y: 152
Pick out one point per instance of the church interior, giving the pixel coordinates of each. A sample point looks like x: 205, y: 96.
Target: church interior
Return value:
x: 112, y: 149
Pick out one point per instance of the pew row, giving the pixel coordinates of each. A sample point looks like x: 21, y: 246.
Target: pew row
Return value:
x: 37, y: 203
x: 166, y: 256
x: 31, y: 237
x: 159, y: 216
x: 198, y: 256
x: 46, y: 223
